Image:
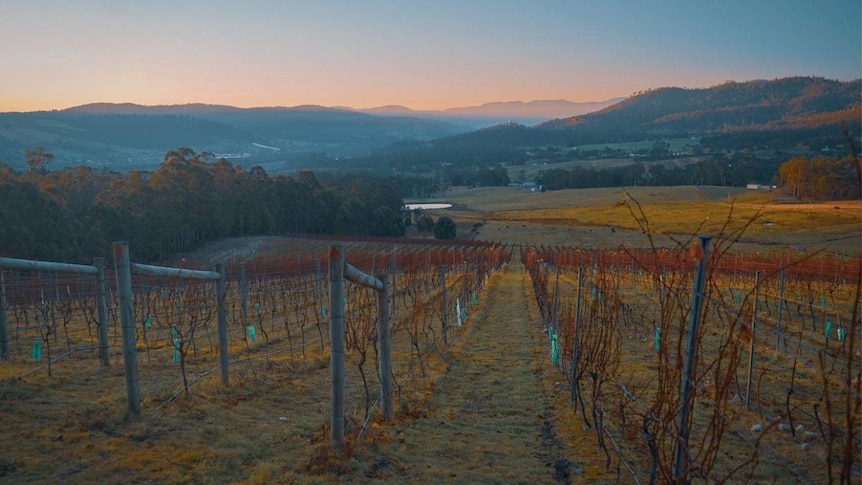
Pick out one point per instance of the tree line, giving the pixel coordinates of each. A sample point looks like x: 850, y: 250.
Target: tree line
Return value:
x: 821, y: 178
x: 75, y: 213
x: 736, y: 170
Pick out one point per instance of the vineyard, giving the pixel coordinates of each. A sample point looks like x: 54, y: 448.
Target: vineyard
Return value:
x: 765, y: 389
x: 277, y: 306
x: 755, y: 377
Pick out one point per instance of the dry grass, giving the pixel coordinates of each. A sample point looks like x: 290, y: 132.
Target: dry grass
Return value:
x: 597, y: 218
x: 492, y: 418
x: 213, y: 435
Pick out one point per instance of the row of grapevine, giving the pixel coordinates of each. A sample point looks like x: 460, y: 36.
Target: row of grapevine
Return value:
x: 277, y: 308
x: 777, y: 344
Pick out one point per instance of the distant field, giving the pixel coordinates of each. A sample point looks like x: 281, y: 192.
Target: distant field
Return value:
x: 600, y: 218
x: 675, y: 145
x: 531, y: 170
x: 494, y: 199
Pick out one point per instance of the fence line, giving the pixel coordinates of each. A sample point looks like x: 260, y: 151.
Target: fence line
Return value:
x: 339, y: 270
x: 98, y: 269
x: 125, y: 268
x: 295, y: 302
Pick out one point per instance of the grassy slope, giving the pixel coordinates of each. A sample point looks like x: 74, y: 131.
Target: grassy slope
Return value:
x: 490, y: 420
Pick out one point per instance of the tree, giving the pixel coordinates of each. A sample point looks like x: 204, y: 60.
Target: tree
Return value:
x: 37, y: 159
x: 425, y: 223
x: 445, y: 228
x: 6, y: 173
x: 792, y: 175
x: 823, y: 178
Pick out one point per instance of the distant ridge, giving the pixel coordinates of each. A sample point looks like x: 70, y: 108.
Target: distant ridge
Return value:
x: 182, y: 109
x: 130, y: 136
x: 391, y: 109
x: 549, y: 108
x: 527, y: 113
x: 530, y: 112
x: 785, y: 103
x: 769, y: 115
x: 778, y: 113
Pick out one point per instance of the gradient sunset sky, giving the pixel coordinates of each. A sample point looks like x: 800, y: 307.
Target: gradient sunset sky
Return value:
x: 430, y: 54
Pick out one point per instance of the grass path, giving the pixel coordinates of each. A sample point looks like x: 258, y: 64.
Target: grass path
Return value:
x: 488, y: 419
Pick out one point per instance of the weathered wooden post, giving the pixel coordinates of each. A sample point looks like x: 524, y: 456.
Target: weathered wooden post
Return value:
x: 444, y: 304
x: 322, y: 310
x: 222, y: 325
x: 552, y: 320
x: 577, y: 337
x: 127, y: 324
x: 336, y: 340
x: 393, y: 272
x: 780, y: 310
x: 753, y: 337
x: 243, y: 296
x: 4, y: 329
x: 385, y: 348
x: 102, y: 303
x: 681, y: 452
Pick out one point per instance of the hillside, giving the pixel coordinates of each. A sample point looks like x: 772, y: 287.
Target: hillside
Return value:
x: 765, y: 121
x: 129, y: 136
x: 788, y: 103
x: 489, y: 114
x: 779, y: 113
x: 775, y: 116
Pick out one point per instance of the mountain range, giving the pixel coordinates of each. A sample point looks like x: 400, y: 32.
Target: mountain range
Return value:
x: 489, y: 114
x: 781, y: 111
x: 733, y: 115
x: 132, y: 136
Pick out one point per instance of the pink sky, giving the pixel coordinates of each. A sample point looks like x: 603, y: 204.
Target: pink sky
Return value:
x: 423, y: 55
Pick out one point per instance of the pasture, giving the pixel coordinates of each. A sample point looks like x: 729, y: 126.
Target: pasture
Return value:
x: 600, y: 217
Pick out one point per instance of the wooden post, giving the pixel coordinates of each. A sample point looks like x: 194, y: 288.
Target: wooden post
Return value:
x: 4, y: 329
x: 222, y: 325
x: 681, y: 452
x: 385, y: 348
x: 753, y: 337
x: 336, y: 341
x: 577, y: 337
x: 127, y: 324
x: 393, y: 272
x: 243, y: 296
x: 102, y: 303
x: 553, y: 317
x: 320, y: 311
x: 780, y: 308
x: 444, y: 304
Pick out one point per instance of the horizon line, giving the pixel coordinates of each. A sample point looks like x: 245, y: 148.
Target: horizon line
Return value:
x: 426, y: 110
x: 311, y: 105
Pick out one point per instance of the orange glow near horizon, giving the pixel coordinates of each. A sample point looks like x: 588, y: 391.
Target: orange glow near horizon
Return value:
x: 413, y: 102
x: 422, y: 56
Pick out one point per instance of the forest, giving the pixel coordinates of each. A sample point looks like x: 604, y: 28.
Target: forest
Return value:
x: 74, y: 213
x: 818, y: 178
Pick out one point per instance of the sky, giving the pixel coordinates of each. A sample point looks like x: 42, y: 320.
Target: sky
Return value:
x: 423, y: 54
